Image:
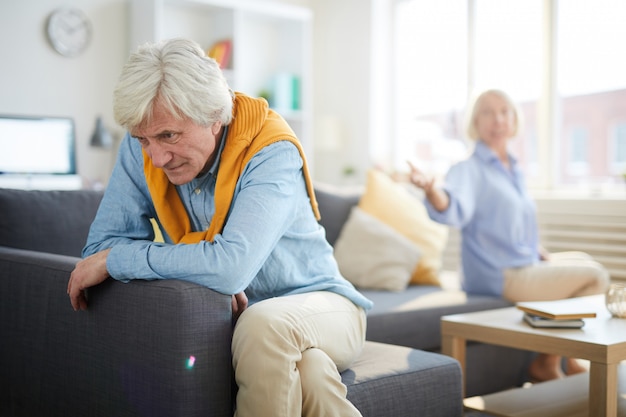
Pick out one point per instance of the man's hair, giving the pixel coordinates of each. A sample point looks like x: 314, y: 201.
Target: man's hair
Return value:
x: 470, y: 121
x: 179, y: 75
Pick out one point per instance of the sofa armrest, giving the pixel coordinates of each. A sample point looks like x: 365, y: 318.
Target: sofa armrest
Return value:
x: 144, y: 348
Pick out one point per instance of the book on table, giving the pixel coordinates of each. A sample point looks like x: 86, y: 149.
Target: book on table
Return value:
x: 543, y: 322
x: 567, y: 309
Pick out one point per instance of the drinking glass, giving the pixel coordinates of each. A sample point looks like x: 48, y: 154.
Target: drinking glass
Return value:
x: 616, y: 299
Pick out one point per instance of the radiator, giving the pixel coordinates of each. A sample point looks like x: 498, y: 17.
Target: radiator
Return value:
x: 596, y: 226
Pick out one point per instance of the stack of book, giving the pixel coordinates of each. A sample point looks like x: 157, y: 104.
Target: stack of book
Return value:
x: 568, y: 313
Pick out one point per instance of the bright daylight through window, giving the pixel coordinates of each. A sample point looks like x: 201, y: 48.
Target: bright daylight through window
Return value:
x: 559, y: 60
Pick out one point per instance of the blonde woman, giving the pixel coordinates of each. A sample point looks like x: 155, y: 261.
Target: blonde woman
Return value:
x: 486, y: 198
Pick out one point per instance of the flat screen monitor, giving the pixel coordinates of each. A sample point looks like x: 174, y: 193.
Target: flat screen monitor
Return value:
x: 37, y: 145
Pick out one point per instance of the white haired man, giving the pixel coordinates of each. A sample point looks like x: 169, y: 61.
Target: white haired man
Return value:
x: 226, y: 180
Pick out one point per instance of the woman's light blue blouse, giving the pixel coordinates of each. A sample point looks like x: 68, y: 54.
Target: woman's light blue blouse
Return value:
x: 271, y: 244
x: 490, y: 205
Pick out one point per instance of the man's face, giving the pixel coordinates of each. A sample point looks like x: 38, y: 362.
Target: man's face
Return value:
x: 181, y: 148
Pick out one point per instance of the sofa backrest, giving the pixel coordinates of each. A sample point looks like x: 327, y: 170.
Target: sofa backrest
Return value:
x: 47, y: 221
x: 58, y: 221
x: 334, y: 205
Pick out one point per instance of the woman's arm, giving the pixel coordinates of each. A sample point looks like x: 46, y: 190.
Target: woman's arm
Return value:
x: 437, y: 197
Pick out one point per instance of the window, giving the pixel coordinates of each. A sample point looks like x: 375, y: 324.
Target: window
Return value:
x: 591, y: 84
x: 617, y: 156
x: 578, y: 164
x: 508, y: 54
x: 559, y: 59
x: 508, y: 47
x: 430, y: 83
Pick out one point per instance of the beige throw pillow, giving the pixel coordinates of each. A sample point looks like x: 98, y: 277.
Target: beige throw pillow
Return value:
x: 372, y: 255
x: 391, y: 203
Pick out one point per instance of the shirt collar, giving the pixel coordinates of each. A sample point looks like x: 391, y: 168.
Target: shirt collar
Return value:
x: 485, y: 153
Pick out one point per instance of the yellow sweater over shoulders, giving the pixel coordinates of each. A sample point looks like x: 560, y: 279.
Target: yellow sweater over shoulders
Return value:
x: 254, y: 126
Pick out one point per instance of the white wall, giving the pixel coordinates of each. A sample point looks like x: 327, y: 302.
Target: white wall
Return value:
x: 35, y: 80
x: 341, y: 77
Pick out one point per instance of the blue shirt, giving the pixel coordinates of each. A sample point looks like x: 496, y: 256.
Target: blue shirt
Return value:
x: 497, y: 218
x: 271, y: 244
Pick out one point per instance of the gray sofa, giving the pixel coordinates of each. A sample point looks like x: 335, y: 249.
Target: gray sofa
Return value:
x: 152, y: 348
x: 412, y: 317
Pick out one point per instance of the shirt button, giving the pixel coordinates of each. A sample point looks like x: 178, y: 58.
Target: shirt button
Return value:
x: 197, y: 191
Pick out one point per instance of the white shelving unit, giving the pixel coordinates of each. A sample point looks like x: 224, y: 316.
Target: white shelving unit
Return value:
x: 270, y: 40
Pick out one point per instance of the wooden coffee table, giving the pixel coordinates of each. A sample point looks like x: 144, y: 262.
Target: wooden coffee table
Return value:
x: 602, y: 341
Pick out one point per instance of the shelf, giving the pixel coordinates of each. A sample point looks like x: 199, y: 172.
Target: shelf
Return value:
x: 567, y: 397
x: 270, y: 41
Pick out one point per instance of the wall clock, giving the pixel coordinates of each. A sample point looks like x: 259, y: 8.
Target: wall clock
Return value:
x: 69, y: 31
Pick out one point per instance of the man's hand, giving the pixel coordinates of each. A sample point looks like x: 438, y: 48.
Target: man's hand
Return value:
x: 87, y: 273
x: 240, y: 303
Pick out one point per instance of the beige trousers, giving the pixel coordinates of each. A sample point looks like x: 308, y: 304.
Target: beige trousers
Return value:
x: 564, y: 275
x: 288, y: 352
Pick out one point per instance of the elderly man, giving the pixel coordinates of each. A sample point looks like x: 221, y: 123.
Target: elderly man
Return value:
x: 227, y: 182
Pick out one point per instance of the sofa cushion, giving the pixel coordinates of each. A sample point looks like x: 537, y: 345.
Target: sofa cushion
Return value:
x: 391, y: 203
x: 334, y: 205
x: 47, y: 221
x: 391, y: 380
x: 371, y: 254
x: 412, y: 317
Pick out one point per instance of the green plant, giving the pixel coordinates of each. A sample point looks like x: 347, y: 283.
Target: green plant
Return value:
x: 348, y: 171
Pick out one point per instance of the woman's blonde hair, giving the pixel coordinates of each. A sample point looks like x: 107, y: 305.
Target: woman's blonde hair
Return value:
x: 470, y: 121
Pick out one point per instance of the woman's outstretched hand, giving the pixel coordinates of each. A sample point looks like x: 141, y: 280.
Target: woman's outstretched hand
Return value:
x: 420, y: 179
x: 436, y: 196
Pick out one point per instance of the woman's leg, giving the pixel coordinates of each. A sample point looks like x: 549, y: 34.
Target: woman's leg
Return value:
x: 564, y: 275
x: 545, y: 367
x: 278, y: 343
x: 573, y: 366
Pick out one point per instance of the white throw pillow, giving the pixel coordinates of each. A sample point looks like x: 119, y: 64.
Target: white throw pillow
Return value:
x: 372, y: 255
